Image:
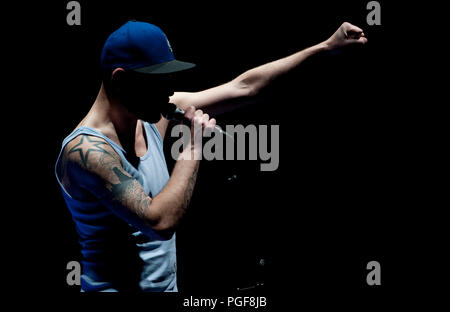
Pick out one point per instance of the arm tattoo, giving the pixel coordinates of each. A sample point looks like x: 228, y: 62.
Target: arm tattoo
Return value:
x: 129, y: 192
x: 96, y: 148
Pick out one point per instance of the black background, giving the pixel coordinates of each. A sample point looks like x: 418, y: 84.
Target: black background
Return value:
x: 344, y: 193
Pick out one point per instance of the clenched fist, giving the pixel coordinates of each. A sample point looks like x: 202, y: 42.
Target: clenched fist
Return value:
x: 200, y: 123
x: 198, y: 119
x: 347, y: 34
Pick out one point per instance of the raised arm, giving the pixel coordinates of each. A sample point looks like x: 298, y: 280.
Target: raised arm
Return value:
x: 251, y: 82
x: 243, y: 88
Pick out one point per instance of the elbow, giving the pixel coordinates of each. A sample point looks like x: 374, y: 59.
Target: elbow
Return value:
x: 159, y: 221
x: 165, y: 227
x: 165, y: 216
x: 166, y: 231
x: 246, y: 87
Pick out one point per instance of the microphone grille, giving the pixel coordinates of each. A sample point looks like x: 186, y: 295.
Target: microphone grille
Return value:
x: 172, y: 112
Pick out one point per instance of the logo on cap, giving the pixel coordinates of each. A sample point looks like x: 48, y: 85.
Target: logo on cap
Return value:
x: 168, y: 43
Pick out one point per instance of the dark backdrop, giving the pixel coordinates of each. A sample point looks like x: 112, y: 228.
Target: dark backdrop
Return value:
x: 339, y: 197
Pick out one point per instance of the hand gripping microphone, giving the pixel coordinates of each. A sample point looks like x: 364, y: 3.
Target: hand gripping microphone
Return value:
x: 172, y: 112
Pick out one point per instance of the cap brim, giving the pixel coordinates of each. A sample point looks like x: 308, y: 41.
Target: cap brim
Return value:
x: 165, y: 68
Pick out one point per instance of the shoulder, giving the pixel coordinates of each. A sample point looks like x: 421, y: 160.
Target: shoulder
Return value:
x: 90, y: 154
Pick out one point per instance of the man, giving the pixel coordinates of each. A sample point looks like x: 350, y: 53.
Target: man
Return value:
x: 112, y: 170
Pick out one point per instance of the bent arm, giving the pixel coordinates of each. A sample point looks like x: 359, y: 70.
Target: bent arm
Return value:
x: 94, y: 166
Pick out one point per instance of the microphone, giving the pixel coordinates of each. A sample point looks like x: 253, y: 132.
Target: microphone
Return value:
x: 172, y: 112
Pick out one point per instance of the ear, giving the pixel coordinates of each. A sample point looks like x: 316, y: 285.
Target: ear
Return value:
x: 115, y: 81
x: 115, y: 75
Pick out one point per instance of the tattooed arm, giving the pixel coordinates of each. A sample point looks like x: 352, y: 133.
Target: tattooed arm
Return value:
x: 91, y: 165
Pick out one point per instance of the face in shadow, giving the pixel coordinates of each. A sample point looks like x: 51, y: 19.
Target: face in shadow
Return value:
x: 145, y: 95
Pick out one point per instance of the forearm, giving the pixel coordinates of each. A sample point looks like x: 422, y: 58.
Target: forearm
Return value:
x: 172, y: 202
x: 242, y: 89
x: 259, y: 77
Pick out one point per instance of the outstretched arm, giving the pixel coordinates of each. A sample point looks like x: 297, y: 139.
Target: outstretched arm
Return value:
x: 244, y: 87
x: 254, y: 80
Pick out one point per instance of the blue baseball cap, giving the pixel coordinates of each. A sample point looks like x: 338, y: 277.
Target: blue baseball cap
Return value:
x: 141, y: 47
